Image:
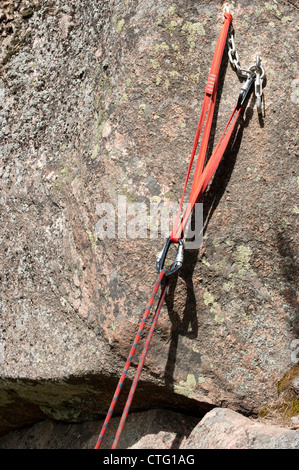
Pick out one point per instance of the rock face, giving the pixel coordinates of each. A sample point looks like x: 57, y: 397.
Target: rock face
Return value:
x: 100, y: 100
x: 226, y: 429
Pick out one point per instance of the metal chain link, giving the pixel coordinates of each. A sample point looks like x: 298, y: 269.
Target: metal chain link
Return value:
x: 234, y: 56
x: 255, y: 69
x: 258, y: 86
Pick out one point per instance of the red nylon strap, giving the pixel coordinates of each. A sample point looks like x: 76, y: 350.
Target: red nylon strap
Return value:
x: 202, y: 176
x: 205, y: 176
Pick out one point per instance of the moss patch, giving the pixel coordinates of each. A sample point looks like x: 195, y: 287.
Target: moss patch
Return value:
x: 93, y: 239
x: 120, y: 25
x: 209, y: 300
x: 242, y: 258
x: 286, y: 406
x: 286, y: 382
x: 186, y: 387
x: 193, y: 30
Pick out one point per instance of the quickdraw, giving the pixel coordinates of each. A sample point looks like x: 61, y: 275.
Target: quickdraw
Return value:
x: 202, y: 176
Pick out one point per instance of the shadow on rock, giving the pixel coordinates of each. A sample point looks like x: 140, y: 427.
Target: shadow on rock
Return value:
x: 180, y: 324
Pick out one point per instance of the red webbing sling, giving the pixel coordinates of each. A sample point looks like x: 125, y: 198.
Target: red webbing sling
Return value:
x: 202, y: 175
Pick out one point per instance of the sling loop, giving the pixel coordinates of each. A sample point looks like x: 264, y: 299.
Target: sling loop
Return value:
x: 202, y: 176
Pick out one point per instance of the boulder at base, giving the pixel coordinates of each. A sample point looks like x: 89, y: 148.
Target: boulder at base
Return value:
x: 222, y: 428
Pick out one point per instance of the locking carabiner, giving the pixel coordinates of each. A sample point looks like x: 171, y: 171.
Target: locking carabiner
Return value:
x: 245, y: 90
x: 160, y: 261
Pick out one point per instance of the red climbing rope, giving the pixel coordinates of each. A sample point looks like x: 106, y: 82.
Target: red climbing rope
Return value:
x: 140, y: 365
x: 132, y: 351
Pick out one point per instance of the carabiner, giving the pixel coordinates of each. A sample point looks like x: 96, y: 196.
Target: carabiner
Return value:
x: 258, y: 93
x: 245, y: 90
x: 160, y: 261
